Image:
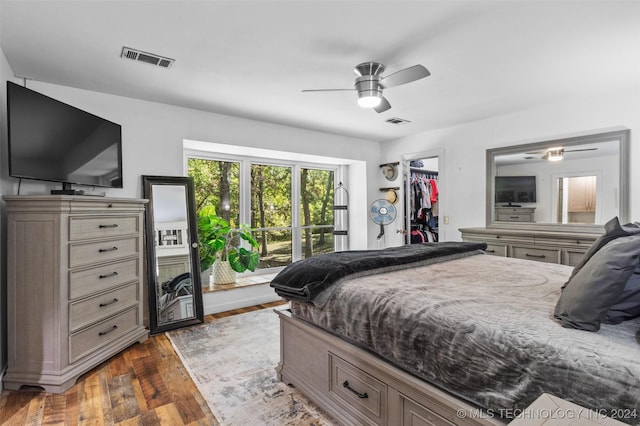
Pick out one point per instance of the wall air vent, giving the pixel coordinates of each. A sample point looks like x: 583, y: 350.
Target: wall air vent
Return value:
x: 396, y: 120
x: 149, y: 58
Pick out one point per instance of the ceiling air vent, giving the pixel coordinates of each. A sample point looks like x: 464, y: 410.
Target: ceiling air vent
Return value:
x: 149, y: 58
x: 396, y: 120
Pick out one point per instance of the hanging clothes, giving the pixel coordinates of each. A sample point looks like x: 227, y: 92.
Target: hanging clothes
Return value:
x: 423, y: 202
x: 434, y: 190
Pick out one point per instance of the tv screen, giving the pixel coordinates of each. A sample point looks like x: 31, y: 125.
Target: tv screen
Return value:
x: 515, y: 189
x: 52, y: 141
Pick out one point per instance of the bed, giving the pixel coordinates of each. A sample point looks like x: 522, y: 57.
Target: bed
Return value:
x: 460, y: 338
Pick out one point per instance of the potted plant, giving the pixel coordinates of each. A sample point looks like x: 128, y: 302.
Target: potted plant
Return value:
x: 221, y: 246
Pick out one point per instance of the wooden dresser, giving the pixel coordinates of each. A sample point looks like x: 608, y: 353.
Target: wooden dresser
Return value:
x: 74, y: 295
x: 566, y: 248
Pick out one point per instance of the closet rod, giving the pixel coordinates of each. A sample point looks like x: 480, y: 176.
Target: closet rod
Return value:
x: 415, y: 169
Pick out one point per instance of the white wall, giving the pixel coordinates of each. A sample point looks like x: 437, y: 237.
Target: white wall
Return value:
x: 153, y: 137
x: 465, y: 148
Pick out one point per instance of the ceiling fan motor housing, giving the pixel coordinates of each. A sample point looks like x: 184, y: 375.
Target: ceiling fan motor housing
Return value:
x: 368, y: 85
x: 369, y: 68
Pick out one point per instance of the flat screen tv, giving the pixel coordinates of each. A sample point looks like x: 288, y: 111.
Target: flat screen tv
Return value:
x: 53, y: 141
x: 515, y: 189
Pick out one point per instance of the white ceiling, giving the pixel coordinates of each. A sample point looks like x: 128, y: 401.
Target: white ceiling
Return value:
x: 253, y: 58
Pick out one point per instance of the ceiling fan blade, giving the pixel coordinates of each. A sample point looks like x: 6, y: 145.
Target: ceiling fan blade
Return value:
x: 577, y: 150
x: 384, y: 105
x: 327, y: 90
x: 404, y: 76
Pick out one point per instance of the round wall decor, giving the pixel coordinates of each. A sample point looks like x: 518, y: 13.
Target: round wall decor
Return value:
x: 390, y: 172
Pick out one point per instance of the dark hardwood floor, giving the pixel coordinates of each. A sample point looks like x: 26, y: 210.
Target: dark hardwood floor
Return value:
x: 146, y: 384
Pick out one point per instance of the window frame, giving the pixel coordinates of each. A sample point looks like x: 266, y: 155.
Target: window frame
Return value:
x: 245, y: 214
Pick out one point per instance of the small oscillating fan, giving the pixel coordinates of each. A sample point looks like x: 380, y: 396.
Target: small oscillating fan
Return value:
x: 382, y: 213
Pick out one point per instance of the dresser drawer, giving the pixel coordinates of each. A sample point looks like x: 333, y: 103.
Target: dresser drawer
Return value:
x: 357, y: 392
x: 96, y: 205
x: 571, y: 257
x: 85, y: 282
x: 497, y: 250
x: 414, y: 414
x: 96, y: 308
x: 81, y: 254
x: 514, y: 217
x: 101, y: 334
x: 538, y: 254
x: 87, y: 227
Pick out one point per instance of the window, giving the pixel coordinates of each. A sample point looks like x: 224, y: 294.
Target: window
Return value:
x: 217, y: 183
x: 316, y: 215
x: 271, y: 213
x: 288, y: 205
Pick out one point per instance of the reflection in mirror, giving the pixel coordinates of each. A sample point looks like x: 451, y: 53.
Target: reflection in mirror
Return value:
x: 577, y: 201
x: 578, y: 181
x: 175, y: 292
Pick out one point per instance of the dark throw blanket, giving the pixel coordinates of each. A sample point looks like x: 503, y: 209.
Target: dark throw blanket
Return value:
x: 306, y: 279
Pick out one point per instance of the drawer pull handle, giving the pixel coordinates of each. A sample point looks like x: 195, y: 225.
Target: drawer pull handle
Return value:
x: 490, y: 251
x: 113, y: 274
x: 102, y: 333
x: 102, y: 305
x: 514, y: 217
x: 108, y: 249
x: 113, y: 225
x: 360, y: 395
x: 537, y: 256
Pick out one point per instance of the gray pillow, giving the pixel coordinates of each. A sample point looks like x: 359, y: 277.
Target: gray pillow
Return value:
x: 628, y: 305
x: 589, y: 294
x: 612, y: 230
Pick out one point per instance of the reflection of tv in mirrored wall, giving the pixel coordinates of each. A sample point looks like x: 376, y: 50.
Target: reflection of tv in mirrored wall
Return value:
x: 515, y: 189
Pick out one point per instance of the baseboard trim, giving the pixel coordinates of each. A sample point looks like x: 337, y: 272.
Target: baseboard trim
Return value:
x: 241, y: 297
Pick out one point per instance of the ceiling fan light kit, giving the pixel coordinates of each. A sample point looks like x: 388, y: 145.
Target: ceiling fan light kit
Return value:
x: 555, y: 154
x: 370, y: 82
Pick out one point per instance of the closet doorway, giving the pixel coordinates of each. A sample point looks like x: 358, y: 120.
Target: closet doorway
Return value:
x: 423, y: 199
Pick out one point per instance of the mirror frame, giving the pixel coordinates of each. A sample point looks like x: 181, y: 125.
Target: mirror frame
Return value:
x: 187, y: 182
x: 622, y: 136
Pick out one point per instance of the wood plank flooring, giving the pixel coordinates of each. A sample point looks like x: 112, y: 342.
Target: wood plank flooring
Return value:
x: 146, y: 384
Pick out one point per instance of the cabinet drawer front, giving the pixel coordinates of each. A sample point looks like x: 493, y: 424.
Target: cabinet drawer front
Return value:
x: 91, y: 205
x: 102, y: 251
x: 572, y: 256
x: 515, y: 217
x: 510, y: 210
x: 86, y: 227
x: 414, y: 414
x: 357, y: 391
x: 97, y: 308
x: 88, y: 281
x: 538, y: 254
x: 497, y: 250
x: 101, y: 334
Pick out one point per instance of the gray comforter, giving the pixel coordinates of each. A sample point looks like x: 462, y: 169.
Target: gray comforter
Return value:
x: 482, y: 327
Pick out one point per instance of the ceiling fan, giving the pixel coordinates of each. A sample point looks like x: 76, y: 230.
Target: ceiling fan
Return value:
x: 556, y: 154
x: 370, y: 82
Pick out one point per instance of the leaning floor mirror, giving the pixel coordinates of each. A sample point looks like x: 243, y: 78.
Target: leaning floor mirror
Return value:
x: 175, y: 291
